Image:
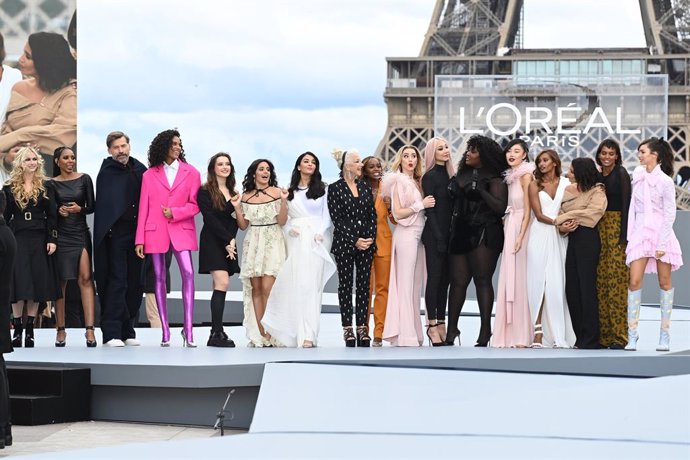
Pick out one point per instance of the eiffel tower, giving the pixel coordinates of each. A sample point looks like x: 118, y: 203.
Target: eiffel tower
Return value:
x: 484, y: 37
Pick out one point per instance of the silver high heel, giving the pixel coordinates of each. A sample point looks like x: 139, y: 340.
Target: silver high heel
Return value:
x: 185, y: 342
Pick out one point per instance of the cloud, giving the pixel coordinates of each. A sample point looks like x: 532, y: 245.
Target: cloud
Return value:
x: 265, y: 53
x: 583, y: 24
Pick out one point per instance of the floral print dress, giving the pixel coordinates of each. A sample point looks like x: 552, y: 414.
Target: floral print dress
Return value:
x: 263, y: 254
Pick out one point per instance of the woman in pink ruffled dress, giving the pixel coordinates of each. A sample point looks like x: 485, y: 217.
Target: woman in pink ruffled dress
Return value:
x: 652, y: 245
x: 513, y: 322
x: 403, y: 326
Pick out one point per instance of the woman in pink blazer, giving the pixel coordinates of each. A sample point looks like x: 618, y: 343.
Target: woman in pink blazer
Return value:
x: 167, y: 207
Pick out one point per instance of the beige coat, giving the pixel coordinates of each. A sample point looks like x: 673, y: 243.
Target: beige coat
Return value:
x: 48, y: 124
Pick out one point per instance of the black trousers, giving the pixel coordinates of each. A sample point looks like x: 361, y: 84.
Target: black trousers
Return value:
x: 346, y: 263
x: 581, y: 263
x: 120, y: 305
x: 437, y: 283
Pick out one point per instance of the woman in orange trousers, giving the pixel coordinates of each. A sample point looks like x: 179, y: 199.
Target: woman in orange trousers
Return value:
x: 381, y: 268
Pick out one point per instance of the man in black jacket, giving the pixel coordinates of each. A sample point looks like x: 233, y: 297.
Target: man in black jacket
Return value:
x: 117, y: 268
x: 8, y: 248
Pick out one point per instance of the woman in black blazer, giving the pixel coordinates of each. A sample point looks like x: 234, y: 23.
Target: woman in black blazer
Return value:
x: 351, y: 205
x: 218, y: 201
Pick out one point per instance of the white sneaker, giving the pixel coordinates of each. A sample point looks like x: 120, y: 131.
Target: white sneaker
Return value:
x: 114, y: 343
x: 132, y: 342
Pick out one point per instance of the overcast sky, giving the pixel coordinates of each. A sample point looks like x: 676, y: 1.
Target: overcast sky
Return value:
x: 272, y: 78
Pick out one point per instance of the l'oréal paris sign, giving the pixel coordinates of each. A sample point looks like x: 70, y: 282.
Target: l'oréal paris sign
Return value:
x: 569, y: 116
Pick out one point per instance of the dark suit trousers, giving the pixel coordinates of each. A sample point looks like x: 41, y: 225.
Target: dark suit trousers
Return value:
x: 120, y: 307
x: 581, y: 262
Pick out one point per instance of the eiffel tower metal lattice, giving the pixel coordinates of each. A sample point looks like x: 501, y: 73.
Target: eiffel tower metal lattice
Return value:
x: 483, y: 37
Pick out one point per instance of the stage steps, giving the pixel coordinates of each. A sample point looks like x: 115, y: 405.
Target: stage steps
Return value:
x: 44, y: 395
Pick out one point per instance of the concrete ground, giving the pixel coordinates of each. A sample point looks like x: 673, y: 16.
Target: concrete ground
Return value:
x: 82, y: 435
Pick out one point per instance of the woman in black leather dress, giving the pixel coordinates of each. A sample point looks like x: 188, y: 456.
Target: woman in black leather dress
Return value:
x: 75, y: 200
x: 476, y: 234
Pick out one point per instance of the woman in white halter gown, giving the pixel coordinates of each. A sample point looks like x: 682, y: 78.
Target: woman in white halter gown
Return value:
x: 546, y: 274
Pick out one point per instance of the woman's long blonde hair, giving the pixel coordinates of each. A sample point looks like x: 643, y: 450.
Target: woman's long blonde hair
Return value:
x: 396, y: 164
x: 16, y: 180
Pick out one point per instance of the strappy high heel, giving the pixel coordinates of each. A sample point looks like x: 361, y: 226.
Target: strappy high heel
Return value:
x: 349, y: 337
x: 538, y: 331
x: 89, y: 343
x: 363, y: 339
x: 63, y: 342
x: 442, y: 323
x: 431, y: 343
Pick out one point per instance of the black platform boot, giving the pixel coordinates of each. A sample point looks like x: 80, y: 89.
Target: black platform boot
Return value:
x: 18, y: 329
x: 29, y: 335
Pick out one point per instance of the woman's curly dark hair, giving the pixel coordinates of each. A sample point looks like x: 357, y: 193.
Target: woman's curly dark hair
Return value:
x: 317, y: 187
x: 53, y: 60
x: 158, y: 150
x: 609, y: 144
x: 249, y: 182
x: 586, y: 173
x: 490, y: 153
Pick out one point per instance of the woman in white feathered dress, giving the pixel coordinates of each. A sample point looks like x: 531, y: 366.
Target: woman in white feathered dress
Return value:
x: 294, y: 307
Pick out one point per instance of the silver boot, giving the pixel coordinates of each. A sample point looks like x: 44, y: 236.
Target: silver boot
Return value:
x: 634, y: 301
x: 665, y: 305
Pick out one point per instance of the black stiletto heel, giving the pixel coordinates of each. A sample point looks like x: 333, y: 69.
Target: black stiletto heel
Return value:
x: 433, y: 344
x: 483, y: 341
x: 63, y: 342
x: 450, y: 339
x: 90, y: 343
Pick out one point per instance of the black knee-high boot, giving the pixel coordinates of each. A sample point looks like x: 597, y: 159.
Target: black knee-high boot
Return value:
x: 29, y: 336
x: 18, y: 329
x: 218, y: 337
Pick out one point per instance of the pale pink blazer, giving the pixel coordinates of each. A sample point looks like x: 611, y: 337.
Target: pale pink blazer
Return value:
x: 154, y: 230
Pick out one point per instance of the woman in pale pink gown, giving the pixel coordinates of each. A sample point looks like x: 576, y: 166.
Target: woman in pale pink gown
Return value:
x: 513, y: 322
x: 403, y: 326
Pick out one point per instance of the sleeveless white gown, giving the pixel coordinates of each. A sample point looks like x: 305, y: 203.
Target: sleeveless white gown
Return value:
x: 546, y: 274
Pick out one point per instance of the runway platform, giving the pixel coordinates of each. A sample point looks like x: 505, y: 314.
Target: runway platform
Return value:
x: 188, y: 386
x: 309, y: 410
